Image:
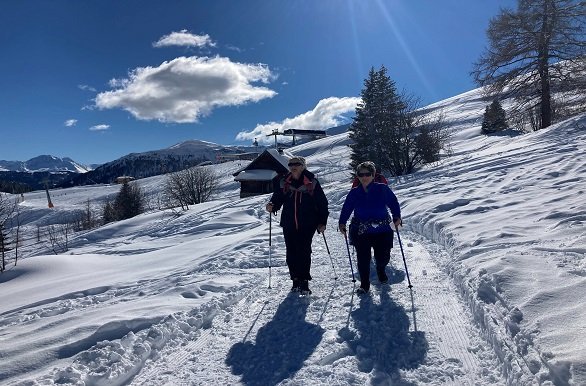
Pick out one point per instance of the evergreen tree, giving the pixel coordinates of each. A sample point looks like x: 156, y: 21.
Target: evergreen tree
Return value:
x: 494, y: 118
x: 108, y: 213
x: 128, y: 203
x: 377, y: 117
x: 362, y: 129
x: 392, y: 122
x: 388, y: 130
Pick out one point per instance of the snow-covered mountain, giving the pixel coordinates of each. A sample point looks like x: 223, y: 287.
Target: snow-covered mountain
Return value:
x: 151, y: 163
x: 44, y: 163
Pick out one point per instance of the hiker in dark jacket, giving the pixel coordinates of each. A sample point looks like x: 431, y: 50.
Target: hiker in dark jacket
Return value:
x: 371, y: 225
x: 305, y: 210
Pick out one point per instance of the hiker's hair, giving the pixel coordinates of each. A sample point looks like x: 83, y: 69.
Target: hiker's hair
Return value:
x: 368, y: 165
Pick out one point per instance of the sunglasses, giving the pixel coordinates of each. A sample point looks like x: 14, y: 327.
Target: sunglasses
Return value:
x: 295, y: 164
x: 364, y: 174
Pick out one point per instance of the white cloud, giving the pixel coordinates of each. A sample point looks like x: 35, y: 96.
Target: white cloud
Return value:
x: 186, y: 88
x: 184, y: 38
x: 99, y: 127
x: 327, y: 113
x: 85, y: 87
x: 70, y: 122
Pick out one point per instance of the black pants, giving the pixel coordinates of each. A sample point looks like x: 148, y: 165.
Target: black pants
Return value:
x: 381, y: 243
x: 298, y: 252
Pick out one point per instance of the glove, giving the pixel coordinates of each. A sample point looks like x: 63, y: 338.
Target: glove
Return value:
x: 397, y: 223
x: 269, y: 207
x: 342, y: 228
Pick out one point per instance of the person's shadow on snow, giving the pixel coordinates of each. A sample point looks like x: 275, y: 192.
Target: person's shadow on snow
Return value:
x: 281, y: 346
x: 383, y: 341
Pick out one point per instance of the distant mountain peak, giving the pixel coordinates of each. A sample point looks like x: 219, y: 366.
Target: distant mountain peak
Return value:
x: 44, y: 163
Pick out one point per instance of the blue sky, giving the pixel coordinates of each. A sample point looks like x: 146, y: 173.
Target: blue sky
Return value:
x: 96, y: 80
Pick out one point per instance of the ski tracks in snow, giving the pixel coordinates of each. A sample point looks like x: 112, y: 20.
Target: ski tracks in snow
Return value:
x: 393, y: 335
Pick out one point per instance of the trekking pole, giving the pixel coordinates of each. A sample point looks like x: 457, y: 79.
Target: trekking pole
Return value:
x: 349, y: 258
x: 270, y: 244
x: 403, y: 254
x: 328, y: 249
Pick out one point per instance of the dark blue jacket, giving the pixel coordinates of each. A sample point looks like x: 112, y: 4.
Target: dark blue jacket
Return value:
x: 371, y: 205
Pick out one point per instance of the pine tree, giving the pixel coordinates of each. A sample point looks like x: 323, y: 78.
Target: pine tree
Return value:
x: 129, y: 202
x: 362, y: 129
x: 374, y: 128
x: 388, y: 130
x: 494, y: 118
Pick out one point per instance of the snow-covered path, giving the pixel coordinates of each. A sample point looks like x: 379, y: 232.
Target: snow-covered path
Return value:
x: 422, y: 335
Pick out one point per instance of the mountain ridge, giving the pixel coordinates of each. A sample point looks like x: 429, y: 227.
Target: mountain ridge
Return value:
x: 65, y: 172
x: 44, y: 163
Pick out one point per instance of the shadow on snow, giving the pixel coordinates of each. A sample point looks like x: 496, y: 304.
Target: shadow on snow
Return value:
x: 381, y: 340
x: 280, y: 348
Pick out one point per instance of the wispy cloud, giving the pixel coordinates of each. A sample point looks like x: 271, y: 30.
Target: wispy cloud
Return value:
x: 234, y: 48
x: 185, y: 39
x: 99, y: 127
x: 85, y: 87
x: 186, y: 88
x: 70, y: 122
x: 327, y: 113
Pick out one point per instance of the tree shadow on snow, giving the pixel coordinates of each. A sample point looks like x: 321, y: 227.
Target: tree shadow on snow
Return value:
x: 281, y: 346
x: 382, y: 342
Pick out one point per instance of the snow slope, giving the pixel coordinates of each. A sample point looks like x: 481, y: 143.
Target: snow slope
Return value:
x: 493, y: 238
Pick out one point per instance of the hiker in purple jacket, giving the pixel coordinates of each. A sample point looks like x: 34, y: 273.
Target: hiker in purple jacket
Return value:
x: 370, y: 227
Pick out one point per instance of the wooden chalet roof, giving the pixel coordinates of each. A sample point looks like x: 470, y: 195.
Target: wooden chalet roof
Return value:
x: 270, y: 160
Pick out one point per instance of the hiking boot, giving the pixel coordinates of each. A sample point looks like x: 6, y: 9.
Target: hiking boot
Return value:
x: 361, y: 291
x: 382, y: 276
x: 304, y: 287
x: 296, y: 285
x: 364, y: 287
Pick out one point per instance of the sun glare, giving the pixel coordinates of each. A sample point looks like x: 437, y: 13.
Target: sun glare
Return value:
x: 402, y: 42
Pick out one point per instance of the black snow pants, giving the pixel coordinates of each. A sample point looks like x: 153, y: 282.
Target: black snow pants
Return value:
x: 381, y: 243
x: 298, y: 252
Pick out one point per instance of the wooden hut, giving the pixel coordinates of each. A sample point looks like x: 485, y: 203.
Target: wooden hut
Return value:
x: 258, y: 177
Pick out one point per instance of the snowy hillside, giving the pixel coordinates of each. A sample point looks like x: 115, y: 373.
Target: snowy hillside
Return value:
x: 494, y: 240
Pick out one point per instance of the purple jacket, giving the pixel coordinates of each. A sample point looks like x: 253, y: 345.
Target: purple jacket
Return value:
x: 371, y: 205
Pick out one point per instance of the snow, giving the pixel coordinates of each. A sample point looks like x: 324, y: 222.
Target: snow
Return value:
x: 494, y: 241
x: 256, y: 175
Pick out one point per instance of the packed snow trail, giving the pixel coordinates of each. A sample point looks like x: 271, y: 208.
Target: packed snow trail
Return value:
x: 393, y: 335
